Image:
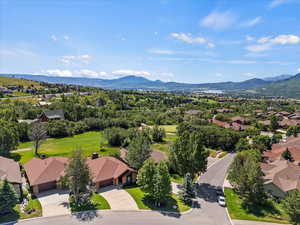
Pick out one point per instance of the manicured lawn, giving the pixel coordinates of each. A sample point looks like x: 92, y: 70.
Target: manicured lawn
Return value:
x: 272, y: 212
x: 221, y: 155
x: 143, y: 201
x: 169, y: 128
x: 98, y: 202
x: 16, y: 215
x: 89, y: 142
x: 165, y: 146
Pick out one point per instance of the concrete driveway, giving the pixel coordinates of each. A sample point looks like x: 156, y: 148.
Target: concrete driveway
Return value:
x: 54, y: 202
x: 118, y: 198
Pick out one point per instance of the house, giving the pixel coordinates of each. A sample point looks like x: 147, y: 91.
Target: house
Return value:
x: 192, y: 114
x: 281, y: 176
x: 52, y: 115
x: 224, y: 110
x: 10, y: 170
x: 108, y: 171
x: 292, y: 143
x: 288, y: 122
x: 156, y: 155
x: 43, y: 174
x: 238, y: 119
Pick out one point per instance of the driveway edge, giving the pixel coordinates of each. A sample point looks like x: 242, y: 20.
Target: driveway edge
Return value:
x: 226, y: 206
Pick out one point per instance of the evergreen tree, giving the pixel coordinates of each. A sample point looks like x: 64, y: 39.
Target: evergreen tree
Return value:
x: 78, y: 174
x: 291, y: 205
x: 146, y: 176
x: 158, y: 134
x: 287, y: 155
x: 187, y: 193
x: 188, y: 155
x: 162, y: 183
x: 138, y: 151
x: 8, y: 197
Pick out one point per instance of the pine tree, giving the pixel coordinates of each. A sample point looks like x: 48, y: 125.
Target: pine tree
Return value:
x: 187, y: 193
x: 287, y: 155
x: 8, y: 197
x: 291, y: 205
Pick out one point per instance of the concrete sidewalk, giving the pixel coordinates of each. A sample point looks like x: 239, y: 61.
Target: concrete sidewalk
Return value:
x: 249, y: 222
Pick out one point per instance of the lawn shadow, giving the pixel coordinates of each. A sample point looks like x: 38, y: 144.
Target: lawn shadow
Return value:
x: 10, y: 218
x: 168, y: 208
x: 261, y: 210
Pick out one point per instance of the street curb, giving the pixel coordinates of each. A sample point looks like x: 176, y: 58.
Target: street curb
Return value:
x: 226, y: 206
x: 104, y: 210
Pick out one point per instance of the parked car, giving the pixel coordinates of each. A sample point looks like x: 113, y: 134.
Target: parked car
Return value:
x: 221, y: 201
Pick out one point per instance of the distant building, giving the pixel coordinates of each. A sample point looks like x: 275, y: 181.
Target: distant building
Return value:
x: 52, y: 115
x: 224, y: 110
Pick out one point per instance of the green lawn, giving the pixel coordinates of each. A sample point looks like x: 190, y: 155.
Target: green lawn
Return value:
x: 176, y: 178
x: 169, y: 128
x: 143, y: 201
x: 272, y: 212
x: 89, y: 142
x: 16, y: 214
x: 164, y: 146
x: 98, y: 203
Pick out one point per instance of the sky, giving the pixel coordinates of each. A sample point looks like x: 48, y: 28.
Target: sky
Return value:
x: 192, y: 41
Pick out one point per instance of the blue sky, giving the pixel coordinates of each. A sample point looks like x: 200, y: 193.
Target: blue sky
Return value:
x: 190, y: 41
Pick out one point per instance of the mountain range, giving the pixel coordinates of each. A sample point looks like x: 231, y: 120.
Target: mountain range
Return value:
x: 283, y: 85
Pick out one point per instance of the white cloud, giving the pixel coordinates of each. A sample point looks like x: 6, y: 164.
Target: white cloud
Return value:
x: 276, y: 3
x: 66, y: 37
x: 91, y: 73
x: 249, y: 38
x: 299, y: 70
x: 249, y: 75
x: 161, y: 51
x: 58, y: 72
x: 266, y: 43
x: 219, y: 20
x: 252, y: 22
x: 219, y: 75
x: 187, y: 38
x: 141, y: 73
x: 241, y: 62
x: 72, y: 59
x: 54, y: 37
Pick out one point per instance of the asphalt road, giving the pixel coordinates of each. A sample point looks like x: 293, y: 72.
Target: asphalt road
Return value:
x: 207, y: 212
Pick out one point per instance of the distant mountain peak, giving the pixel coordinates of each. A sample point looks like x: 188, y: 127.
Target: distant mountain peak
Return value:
x: 278, y: 78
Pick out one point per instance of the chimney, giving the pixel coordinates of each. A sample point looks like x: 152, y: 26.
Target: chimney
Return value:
x: 95, y: 155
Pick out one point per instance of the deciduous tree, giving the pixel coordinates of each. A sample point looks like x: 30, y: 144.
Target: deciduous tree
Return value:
x: 38, y: 134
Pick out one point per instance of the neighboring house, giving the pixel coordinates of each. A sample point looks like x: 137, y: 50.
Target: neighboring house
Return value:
x: 156, y: 155
x: 238, y: 119
x: 10, y: 170
x: 281, y: 176
x: 234, y: 125
x: 224, y: 110
x: 292, y: 143
x: 43, y: 174
x: 288, y: 122
x: 52, y: 115
x: 108, y: 171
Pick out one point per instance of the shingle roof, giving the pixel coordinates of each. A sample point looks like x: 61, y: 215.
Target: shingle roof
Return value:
x: 10, y: 170
x: 283, y: 174
x: 41, y: 171
x: 105, y: 168
x: 52, y: 114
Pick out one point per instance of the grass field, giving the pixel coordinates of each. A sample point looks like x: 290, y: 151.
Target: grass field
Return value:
x: 271, y: 213
x: 89, y: 142
x: 164, y: 146
x: 5, y: 81
x: 143, y: 201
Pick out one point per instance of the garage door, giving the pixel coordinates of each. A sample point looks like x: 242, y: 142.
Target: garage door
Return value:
x: 47, y: 186
x: 106, y: 183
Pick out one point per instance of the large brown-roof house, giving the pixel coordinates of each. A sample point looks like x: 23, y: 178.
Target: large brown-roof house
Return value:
x: 110, y: 171
x: 52, y: 115
x: 44, y: 174
x: 10, y: 170
x: 281, y: 176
